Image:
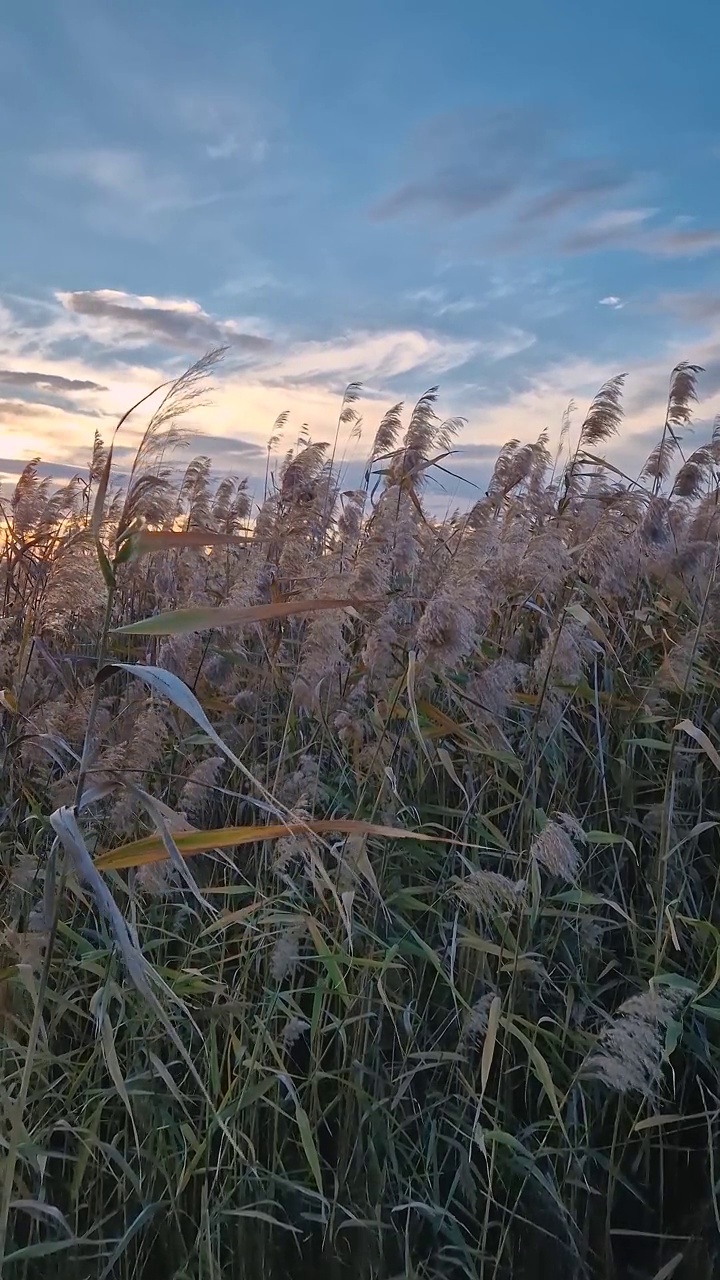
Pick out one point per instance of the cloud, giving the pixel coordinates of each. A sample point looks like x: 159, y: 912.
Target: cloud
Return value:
x: 584, y: 185
x: 229, y: 146
x: 511, y: 163
x: 168, y: 322
x: 233, y: 126
x: 33, y: 430
x: 123, y: 192
x: 368, y: 357
x: 694, y: 307
x: 30, y: 380
x: 19, y: 410
x: 437, y: 301
x: 432, y: 296
x: 449, y: 191
x: 212, y: 444
x: 472, y: 162
x: 687, y: 242
x: 628, y: 229
x: 258, y: 279
x: 307, y: 378
x: 617, y: 227
x: 11, y: 468
x: 477, y: 452
x: 616, y: 303
x: 118, y: 174
x: 510, y: 342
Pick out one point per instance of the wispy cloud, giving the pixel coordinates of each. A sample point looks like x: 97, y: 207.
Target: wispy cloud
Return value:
x: 33, y: 381
x: 232, y: 451
x: 118, y: 173
x: 616, y: 227
x: 695, y: 307
x: 232, y: 126
x: 511, y: 164
x: 368, y: 357
x: 612, y: 301
x: 22, y: 410
x: 10, y: 469
x: 169, y: 322
x: 509, y: 341
x: 127, y: 193
x: 582, y: 185
x: 468, y: 162
x: 477, y: 452
x: 685, y: 242
x: 633, y: 229
x: 474, y: 162
x: 439, y: 303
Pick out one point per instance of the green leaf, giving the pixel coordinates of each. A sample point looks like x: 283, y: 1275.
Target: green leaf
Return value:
x: 105, y: 566
x: 141, y: 1220
x: 308, y: 1142
x: 488, y: 1051
x: 540, y: 1067
x: 708, y: 1011
x: 181, y: 622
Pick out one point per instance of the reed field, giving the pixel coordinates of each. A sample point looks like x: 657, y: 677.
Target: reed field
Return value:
x: 360, y: 866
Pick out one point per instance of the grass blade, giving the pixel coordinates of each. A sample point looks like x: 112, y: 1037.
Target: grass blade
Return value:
x: 151, y: 849
x: 180, y: 622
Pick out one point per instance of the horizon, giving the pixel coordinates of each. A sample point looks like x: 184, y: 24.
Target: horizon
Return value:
x: 513, y: 205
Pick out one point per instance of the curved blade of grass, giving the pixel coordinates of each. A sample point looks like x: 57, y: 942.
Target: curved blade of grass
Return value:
x: 151, y: 849
x: 38, y: 1209
x: 171, y: 686
x: 180, y: 622
x: 540, y: 1068
x: 308, y: 1143
x: 171, y: 850
x: 702, y: 739
x: 145, y: 1216
x: 488, y: 1052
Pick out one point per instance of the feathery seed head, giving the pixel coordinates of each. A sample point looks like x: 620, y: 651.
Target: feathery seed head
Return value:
x: 554, y: 849
x: 630, y: 1050
x: 489, y: 893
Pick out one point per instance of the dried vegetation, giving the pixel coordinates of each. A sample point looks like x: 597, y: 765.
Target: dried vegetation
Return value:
x: 360, y: 868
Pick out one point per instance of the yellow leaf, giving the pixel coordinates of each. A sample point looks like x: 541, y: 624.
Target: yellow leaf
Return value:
x: 151, y: 849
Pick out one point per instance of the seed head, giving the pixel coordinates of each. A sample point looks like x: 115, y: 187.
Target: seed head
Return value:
x: 554, y: 849
x: 629, y: 1053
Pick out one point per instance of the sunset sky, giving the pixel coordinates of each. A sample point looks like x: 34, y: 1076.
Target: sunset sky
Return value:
x: 514, y: 201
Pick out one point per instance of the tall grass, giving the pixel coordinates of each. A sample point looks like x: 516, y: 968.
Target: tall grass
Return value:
x: 374, y: 930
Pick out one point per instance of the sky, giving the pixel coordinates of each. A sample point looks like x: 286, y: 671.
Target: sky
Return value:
x: 514, y: 202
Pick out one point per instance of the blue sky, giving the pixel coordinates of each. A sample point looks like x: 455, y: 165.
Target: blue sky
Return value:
x: 516, y: 201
